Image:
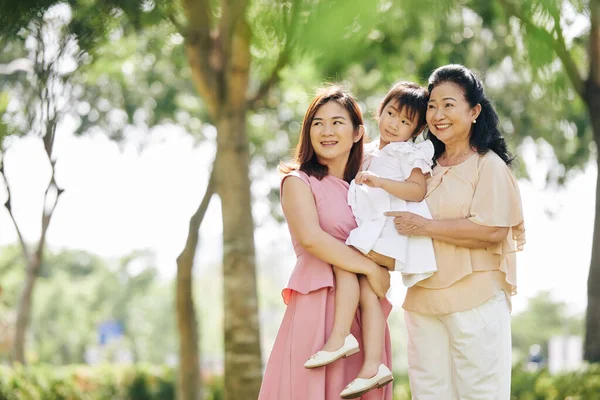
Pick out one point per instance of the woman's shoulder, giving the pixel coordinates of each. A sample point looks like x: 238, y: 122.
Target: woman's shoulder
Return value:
x: 491, y: 167
x: 297, y: 173
x: 311, y: 181
x: 491, y: 160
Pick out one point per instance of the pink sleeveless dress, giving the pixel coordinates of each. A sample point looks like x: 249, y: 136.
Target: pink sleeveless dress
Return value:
x: 308, y: 319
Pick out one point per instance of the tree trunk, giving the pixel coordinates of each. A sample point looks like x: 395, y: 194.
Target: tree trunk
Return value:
x: 24, y: 308
x: 243, y: 368
x: 188, y: 377
x: 189, y: 385
x: 592, y: 325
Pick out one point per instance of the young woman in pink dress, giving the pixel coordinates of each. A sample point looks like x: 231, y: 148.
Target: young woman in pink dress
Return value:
x: 314, y: 198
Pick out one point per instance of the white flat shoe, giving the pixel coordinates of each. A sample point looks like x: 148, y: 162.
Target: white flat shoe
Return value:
x: 322, y: 358
x: 360, y: 386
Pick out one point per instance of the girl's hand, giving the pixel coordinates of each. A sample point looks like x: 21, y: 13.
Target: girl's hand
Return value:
x: 408, y: 223
x: 379, y: 280
x: 368, y: 178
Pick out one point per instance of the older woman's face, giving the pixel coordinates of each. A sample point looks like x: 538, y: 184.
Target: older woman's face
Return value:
x: 332, y: 133
x: 449, y: 114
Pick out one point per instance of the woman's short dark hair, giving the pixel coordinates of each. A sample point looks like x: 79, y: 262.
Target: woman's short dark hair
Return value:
x: 305, y: 158
x: 485, y: 134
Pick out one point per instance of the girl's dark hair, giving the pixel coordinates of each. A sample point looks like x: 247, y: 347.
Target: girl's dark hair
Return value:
x: 305, y: 158
x: 485, y: 134
x: 409, y: 95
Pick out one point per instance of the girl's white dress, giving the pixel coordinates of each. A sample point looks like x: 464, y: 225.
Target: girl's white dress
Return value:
x: 414, y: 255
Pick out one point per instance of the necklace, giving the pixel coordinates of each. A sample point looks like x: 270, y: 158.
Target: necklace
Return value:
x: 460, y: 159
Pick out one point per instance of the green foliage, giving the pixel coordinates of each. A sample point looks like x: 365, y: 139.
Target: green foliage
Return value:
x: 545, y: 104
x: 77, y: 290
x: 543, y: 319
x: 4, y: 129
x: 540, y: 385
x: 107, y: 382
x: 140, y: 79
x: 147, y: 382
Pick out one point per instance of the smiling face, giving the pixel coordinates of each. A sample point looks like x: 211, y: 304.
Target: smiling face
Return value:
x: 396, y: 124
x: 332, y: 133
x: 449, y: 114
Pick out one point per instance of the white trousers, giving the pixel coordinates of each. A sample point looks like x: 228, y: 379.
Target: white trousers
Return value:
x: 461, y: 356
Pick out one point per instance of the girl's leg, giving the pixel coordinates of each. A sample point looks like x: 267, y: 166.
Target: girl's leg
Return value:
x: 373, y: 329
x: 346, y: 302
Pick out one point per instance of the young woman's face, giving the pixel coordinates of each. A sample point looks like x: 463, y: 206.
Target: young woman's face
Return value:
x: 332, y: 134
x: 395, y: 125
x: 449, y: 114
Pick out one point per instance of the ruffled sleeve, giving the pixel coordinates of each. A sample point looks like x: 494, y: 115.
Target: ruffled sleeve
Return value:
x: 418, y: 155
x: 497, y: 202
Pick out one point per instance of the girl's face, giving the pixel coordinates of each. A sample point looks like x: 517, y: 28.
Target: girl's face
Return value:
x: 395, y: 124
x: 332, y: 134
x: 449, y: 114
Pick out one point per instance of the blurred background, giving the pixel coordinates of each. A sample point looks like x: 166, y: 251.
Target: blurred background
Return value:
x: 142, y: 246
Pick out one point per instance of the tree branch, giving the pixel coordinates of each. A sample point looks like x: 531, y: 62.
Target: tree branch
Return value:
x: 238, y: 68
x: 557, y: 44
x: 233, y: 11
x: 48, y: 213
x: 284, y: 56
x: 187, y: 255
x: 8, y: 206
x: 202, y: 51
x: 595, y: 42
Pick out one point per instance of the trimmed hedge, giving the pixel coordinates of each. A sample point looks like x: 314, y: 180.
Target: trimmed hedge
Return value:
x: 77, y: 382
x: 147, y: 382
x: 539, y: 385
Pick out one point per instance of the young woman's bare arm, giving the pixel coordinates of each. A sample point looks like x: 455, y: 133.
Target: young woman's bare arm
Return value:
x: 301, y: 214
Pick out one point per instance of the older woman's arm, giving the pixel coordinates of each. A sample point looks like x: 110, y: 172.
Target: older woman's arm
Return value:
x: 459, y: 232
x: 301, y: 213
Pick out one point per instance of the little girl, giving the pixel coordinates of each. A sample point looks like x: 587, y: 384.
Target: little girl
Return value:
x: 393, y: 178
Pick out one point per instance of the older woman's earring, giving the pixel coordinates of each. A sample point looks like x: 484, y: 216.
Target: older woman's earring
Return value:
x: 474, y: 121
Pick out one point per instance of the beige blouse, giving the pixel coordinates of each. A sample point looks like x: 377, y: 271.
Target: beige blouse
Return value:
x: 484, y: 190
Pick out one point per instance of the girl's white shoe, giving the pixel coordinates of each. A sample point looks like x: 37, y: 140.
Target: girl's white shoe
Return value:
x: 322, y: 358
x: 360, y: 386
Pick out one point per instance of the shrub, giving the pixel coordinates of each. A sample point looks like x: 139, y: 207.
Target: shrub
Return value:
x: 148, y: 382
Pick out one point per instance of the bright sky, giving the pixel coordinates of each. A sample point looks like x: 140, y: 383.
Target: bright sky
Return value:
x: 118, y: 200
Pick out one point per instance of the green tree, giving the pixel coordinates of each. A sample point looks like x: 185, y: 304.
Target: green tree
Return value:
x: 41, y: 95
x: 227, y: 70
x: 76, y: 291
x: 543, y: 318
x: 542, y: 31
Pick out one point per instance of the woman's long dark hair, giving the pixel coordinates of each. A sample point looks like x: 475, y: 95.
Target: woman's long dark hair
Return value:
x: 305, y: 158
x: 485, y: 134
